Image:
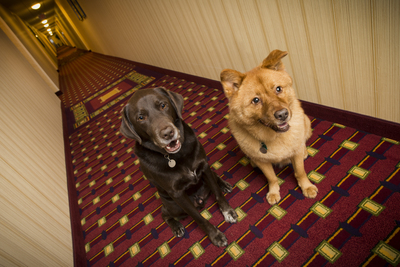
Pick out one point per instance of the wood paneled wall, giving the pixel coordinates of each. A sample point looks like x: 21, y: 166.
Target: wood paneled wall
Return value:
x: 34, y: 211
x: 344, y: 54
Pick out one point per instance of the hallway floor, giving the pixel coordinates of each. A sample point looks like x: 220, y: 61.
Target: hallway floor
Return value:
x: 88, y: 72
x: 116, y: 213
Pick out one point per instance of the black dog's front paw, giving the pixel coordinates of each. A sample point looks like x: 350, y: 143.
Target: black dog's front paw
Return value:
x: 230, y: 215
x: 177, y: 228
x: 218, y: 238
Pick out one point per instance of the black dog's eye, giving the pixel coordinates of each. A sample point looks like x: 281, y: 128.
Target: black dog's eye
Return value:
x: 256, y: 100
x: 162, y: 106
x: 278, y: 89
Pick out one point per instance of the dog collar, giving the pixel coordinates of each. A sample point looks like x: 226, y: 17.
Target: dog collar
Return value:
x: 171, y: 162
x: 263, y: 148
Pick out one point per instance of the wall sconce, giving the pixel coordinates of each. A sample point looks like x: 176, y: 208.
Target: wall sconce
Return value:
x: 36, y: 6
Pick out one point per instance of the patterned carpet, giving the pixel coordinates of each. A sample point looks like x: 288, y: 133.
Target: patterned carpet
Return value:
x: 354, y: 221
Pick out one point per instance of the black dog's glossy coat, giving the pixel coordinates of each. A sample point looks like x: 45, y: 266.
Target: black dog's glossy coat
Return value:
x: 184, y: 188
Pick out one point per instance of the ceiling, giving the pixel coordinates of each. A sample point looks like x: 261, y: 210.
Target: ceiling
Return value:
x: 34, y: 18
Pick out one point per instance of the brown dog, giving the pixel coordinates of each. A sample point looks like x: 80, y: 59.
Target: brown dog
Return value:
x: 174, y: 161
x: 268, y: 122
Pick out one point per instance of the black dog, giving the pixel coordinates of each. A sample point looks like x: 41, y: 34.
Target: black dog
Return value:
x: 174, y: 161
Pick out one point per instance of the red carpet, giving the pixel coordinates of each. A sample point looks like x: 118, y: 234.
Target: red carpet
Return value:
x: 115, y: 211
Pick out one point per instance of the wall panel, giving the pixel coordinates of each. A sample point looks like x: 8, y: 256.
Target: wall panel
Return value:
x: 342, y: 53
x: 323, y: 47
x: 355, y: 55
x: 34, y: 211
x: 386, y: 39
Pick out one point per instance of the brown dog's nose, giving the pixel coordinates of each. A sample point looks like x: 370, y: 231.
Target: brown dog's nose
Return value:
x: 167, y: 133
x: 281, y: 114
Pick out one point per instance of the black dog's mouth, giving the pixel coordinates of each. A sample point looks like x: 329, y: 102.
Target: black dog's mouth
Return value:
x: 281, y: 128
x: 173, y: 147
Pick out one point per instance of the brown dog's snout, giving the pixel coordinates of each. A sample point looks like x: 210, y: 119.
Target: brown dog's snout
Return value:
x: 167, y: 133
x: 281, y: 114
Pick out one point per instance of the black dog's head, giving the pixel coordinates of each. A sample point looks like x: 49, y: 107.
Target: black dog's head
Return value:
x: 153, y: 116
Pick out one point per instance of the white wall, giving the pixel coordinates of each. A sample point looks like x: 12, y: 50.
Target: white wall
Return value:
x: 34, y: 212
x: 344, y: 54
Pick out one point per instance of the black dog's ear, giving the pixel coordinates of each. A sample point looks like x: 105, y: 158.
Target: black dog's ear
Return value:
x: 127, y: 128
x: 176, y: 99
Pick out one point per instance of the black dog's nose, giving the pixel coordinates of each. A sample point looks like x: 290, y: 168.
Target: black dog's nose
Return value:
x: 281, y: 114
x: 167, y: 133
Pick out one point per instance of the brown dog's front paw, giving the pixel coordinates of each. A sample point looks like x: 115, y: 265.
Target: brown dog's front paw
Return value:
x: 230, y: 215
x: 218, y: 238
x: 273, y: 198
x: 310, y: 192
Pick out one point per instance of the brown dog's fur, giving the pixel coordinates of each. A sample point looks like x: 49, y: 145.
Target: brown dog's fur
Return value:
x: 264, y: 110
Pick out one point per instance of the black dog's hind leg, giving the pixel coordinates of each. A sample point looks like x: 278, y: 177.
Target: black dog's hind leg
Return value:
x: 225, y: 186
x: 177, y: 228
x: 215, y: 235
x: 218, y: 187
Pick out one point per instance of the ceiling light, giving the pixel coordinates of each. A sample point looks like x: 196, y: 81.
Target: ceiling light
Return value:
x: 51, y: 34
x: 44, y: 21
x: 49, y: 30
x: 36, y: 6
x: 46, y: 25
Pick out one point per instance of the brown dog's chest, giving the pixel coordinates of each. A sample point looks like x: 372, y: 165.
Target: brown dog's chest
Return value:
x: 280, y: 147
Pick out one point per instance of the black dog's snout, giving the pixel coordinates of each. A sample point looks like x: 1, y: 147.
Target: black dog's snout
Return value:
x: 281, y: 114
x: 167, y: 133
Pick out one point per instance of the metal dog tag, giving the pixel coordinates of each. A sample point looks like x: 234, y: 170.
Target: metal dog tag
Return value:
x: 171, y: 163
x: 263, y: 148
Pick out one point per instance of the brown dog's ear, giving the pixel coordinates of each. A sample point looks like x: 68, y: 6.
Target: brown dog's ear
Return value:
x: 273, y: 61
x: 176, y: 100
x: 127, y: 128
x: 231, y: 81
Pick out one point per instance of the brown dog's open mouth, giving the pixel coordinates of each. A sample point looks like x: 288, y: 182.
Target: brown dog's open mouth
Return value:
x: 281, y: 128
x: 173, y: 147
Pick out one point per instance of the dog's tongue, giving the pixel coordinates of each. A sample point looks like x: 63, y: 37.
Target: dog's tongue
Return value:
x: 173, y: 146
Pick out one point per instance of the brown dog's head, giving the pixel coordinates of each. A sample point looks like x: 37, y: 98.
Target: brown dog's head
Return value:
x: 262, y: 95
x: 153, y: 117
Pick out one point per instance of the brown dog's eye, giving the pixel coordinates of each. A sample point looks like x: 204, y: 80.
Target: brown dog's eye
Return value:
x: 278, y: 89
x: 162, y: 106
x: 256, y: 100
x: 141, y: 118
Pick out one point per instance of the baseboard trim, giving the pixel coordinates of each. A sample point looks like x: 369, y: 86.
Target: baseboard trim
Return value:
x: 358, y: 121
x: 355, y: 120
x: 78, y: 246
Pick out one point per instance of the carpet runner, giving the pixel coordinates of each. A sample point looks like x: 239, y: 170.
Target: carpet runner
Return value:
x: 116, y: 212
